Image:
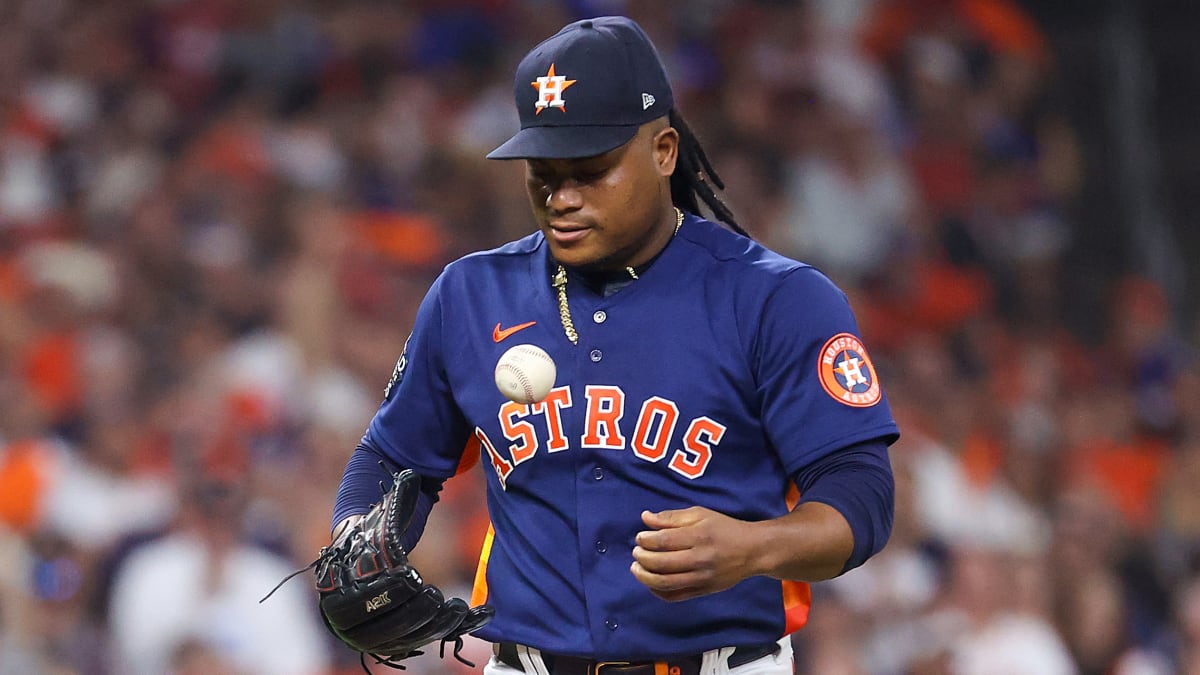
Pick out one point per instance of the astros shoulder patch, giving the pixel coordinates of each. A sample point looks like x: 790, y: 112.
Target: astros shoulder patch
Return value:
x: 846, y: 372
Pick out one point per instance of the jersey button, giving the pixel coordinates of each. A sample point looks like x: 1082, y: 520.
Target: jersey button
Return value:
x: 611, y: 624
x: 596, y: 355
x: 598, y: 473
x: 599, y: 316
x: 601, y: 547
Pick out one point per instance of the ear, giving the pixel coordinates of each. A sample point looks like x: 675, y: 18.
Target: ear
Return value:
x: 665, y: 145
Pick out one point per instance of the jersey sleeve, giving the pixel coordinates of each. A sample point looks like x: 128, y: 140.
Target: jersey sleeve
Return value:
x: 818, y: 388
x: 419, y: 425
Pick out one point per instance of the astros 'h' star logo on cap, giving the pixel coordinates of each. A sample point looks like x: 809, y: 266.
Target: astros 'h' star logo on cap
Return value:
x: 846, y: 372
x: 550, y: 89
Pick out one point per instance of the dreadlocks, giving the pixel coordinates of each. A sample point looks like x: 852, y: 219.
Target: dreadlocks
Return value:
x: 695, y: 177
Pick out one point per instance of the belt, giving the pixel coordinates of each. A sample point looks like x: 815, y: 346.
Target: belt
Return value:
x: 558, y: 664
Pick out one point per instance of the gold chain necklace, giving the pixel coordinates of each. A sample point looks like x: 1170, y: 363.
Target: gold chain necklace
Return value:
x: 559, y: 282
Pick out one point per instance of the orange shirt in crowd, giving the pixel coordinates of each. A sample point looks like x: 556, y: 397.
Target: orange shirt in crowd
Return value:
x: 1002, y: 24
x: 51, y: 370
x: 1128, y: 473
x: 24, y: 474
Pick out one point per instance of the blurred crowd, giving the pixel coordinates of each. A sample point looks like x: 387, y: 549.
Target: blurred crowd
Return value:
x: 217, y: 219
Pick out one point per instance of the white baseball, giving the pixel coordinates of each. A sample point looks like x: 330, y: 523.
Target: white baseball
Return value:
x: 525, y: 373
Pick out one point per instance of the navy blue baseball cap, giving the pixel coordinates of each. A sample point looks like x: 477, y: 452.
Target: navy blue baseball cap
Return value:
x: 586, y: 90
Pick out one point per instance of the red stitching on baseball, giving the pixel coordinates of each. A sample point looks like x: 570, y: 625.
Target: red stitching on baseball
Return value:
x: 526, y: 387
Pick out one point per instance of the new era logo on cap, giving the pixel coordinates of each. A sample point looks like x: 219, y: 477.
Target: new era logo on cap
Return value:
x: 616, y: 83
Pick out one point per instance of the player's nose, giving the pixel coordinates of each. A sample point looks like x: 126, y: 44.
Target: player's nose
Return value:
x: 564, y: 198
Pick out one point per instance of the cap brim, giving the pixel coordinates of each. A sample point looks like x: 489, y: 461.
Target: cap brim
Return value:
x: 564, y: 142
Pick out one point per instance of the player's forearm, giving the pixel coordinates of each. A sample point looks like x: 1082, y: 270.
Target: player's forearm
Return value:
x: 812, y: 543
x: 359, y: 488
x: 858, y: 484
x: 844, y: 518
x: 364, y: 482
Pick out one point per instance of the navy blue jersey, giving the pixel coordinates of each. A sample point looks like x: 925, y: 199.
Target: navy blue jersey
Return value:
x: 710, y: 380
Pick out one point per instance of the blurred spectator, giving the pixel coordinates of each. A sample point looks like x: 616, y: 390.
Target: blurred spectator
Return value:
x: 193, y: 596
x: 1188, y: 611
x: 987, y: 630
x: 96, y: 496
x: 1178, y: 527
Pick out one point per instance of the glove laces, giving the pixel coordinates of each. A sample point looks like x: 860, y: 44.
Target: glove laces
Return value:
x: 394, y: 661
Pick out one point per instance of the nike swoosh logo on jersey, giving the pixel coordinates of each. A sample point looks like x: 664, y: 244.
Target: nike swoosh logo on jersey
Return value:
x: 499, y: 334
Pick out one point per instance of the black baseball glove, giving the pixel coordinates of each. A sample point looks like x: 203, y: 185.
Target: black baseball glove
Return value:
x: 374, y: 601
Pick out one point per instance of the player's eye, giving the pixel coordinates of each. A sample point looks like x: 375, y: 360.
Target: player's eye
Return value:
x: 547, y: 176
x: 590, y: 174
x: 538, y: 180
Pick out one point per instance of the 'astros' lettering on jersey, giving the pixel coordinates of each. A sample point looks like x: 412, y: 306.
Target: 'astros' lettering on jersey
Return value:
x: 711, y: 380
x: 653, y: 431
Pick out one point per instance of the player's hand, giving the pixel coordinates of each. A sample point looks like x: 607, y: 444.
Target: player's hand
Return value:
x: 692, y: 552
x: 341, y: 527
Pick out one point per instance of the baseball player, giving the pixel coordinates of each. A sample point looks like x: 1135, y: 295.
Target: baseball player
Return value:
x: 716, y: 436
